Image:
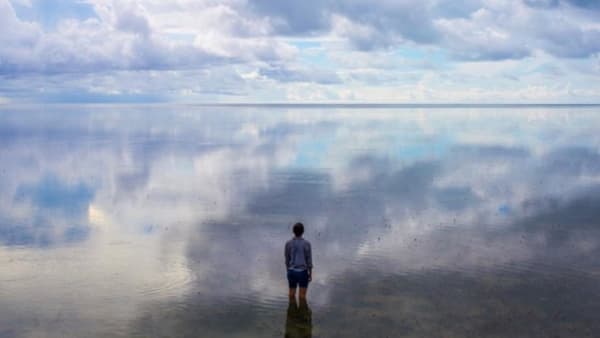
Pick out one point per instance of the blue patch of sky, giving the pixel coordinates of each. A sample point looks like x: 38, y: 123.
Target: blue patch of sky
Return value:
x: 410, y: 152
x: 434, y: 57
x: 410, y: 145
x: 51, y: 193
x: 315, y: 54
x: 304, y: 44
x: 184, y: 166
x: 312, y: 53
x: 406, y: 146
x: 546, y: 69
x: 313, y: 152
x: 50, y: 197
x: 49, y: 13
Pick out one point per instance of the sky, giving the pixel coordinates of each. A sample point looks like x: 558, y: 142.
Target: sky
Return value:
x: 260, y: 51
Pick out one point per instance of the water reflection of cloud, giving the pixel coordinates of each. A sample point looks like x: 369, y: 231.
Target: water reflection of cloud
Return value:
x: 220, y: 191
x: 56, y: 213
x: 395, y: 202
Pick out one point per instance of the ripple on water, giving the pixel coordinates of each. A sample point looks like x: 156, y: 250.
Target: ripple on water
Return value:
x: 177, y: 280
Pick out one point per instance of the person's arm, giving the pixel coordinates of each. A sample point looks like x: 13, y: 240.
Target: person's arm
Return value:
x: 308, y: 256
x: 287, y: 255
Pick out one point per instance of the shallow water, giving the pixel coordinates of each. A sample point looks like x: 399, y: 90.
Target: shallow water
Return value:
x: 164, y: 221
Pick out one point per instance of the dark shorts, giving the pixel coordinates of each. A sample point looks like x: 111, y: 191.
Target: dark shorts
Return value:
x: 296, y: 278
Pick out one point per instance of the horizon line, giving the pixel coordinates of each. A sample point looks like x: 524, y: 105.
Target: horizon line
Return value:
x: 313, y: 104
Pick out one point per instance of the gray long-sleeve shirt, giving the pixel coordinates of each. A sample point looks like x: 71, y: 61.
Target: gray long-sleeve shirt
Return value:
x: 298, y: 254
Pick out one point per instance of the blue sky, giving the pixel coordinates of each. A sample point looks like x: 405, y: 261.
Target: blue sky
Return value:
x: 489, y: 51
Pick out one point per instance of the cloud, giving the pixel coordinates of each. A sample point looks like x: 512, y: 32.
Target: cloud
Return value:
x: 17, y: 39
x: 284, y: 74
x: 121, y: 37
x: 471, y: 30
x: 579, y: 161
x: 133, y: 19
x: 542, y: 3
x: 403, y: 20
x: 89, y: 46
x: 482, y: 37
x: 587, y: 4
x: 138, y: 35
x: 294, y: 18
x: 389, y: 51
x: 408, y: 20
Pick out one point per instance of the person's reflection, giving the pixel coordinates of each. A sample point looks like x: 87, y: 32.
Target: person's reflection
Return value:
x: 299, y: 319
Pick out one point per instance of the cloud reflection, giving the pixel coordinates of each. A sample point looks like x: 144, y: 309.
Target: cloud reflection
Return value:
x: 191, y: 207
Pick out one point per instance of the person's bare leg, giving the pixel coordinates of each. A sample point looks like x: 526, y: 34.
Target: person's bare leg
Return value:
x: 302, y: 293
x: 292, y: 293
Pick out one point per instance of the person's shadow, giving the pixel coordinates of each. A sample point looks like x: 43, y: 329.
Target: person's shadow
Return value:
x: 299, y: 320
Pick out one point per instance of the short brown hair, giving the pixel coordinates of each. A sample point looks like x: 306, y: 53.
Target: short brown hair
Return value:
x: 298, y: 229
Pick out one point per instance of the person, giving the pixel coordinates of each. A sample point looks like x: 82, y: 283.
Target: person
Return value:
x: 298, y: 260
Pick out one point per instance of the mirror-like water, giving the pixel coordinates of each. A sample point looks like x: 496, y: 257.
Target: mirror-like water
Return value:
x: 170, y: 221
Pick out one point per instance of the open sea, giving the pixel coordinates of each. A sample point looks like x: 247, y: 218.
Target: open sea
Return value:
x: 425, y: 220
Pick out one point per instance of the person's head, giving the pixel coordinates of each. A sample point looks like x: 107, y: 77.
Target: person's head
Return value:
x: 298, y: 229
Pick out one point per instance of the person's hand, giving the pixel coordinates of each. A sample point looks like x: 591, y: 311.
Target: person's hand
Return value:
x: 310, y: 277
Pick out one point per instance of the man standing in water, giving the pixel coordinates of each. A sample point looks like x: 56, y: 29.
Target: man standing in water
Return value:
x: 298, y: 260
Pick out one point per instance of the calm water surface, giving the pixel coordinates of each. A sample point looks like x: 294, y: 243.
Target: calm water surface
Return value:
x: 170, y: 221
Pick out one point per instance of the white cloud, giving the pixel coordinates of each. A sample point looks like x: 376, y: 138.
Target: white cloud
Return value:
x: 390, y: 50
x: 125, y: 36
